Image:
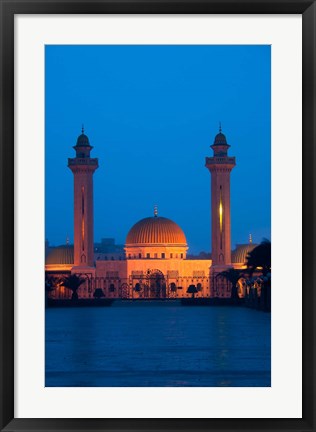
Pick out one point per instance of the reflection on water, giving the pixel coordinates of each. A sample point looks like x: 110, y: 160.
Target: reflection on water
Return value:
x: 157, y: 344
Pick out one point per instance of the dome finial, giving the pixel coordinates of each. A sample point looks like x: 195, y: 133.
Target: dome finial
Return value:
x: 155, y: 211
x: 82, y: 129
x: 220, y: 127
x: 250, y: 238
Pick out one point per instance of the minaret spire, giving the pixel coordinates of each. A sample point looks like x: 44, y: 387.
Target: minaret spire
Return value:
x: 83, y: 168
x: 220, y: 166
x: 155, y: 211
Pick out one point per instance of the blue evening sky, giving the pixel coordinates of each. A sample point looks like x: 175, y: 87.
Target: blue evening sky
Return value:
x: 151, y: 114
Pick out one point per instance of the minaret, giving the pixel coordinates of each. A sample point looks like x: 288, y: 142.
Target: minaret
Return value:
x: 220, y: 166
x: 83, y: 168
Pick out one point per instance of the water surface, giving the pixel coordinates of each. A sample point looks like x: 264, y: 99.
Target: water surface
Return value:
x: 157, y: 344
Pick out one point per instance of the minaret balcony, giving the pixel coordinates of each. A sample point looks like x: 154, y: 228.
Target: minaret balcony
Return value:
x: 83, y: 161
x: 225, y: 160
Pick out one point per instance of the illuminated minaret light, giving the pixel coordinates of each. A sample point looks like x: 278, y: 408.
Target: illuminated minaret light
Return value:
x: 220, y: 166
x: 83, y: 168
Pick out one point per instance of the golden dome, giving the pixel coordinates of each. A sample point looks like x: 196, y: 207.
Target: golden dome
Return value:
x: 156, y: 230
x: 60, y: 255
x: 239, y: 255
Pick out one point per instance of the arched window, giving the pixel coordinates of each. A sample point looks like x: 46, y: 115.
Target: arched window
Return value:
x: 173, y: 287
x: 137, y: 287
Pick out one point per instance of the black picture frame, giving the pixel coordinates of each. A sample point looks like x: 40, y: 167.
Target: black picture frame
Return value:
x: 8, y: 9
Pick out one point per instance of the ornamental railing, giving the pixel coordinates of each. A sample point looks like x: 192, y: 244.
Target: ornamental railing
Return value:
x: 220, y: 160
x: 82, y: 161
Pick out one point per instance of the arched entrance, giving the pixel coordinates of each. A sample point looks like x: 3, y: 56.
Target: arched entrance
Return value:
x: 156, y: 284
x: 124, y: 291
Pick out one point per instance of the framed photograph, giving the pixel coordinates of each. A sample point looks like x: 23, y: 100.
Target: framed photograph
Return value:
x: 157, y: 162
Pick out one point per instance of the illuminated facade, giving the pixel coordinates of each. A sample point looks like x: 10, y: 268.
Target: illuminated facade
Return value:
x: 155, y: 264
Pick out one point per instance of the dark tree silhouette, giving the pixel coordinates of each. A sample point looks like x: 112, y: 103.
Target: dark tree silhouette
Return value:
x: 259, y: 259
x: 192, y: 290
x: 98, y: 293
x: 50, y: 283
x: 73, y: 282
x: 232, y: 275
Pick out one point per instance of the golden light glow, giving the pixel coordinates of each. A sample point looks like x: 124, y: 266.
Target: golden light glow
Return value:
x: 82, y: 216
x: 221, y: 217
x: 82, y: 232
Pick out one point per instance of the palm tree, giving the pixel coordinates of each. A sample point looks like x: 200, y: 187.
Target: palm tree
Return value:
x: 260, y: 258
x: 233, y: 276
x: 50, y: 285
x: 192, y: 290
x: 73, y: 282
